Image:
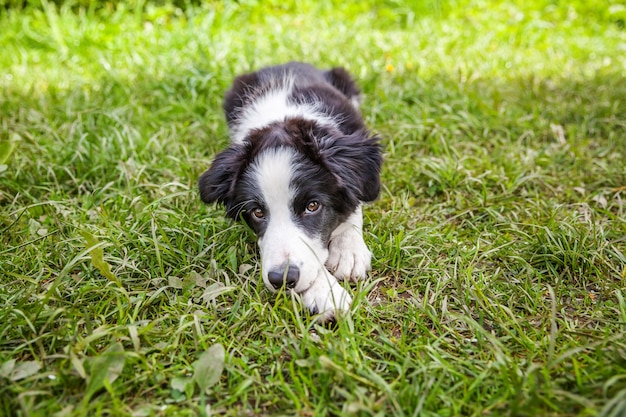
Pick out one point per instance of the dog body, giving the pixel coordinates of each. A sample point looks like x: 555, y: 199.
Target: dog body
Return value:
x: 300, y: 164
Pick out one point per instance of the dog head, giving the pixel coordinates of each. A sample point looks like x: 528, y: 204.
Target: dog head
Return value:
x: 293, y: 183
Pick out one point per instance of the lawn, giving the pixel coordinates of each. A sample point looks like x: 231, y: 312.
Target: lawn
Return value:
x: 499, y: 240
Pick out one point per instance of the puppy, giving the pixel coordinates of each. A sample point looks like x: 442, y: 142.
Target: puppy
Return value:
x: 300, y: 164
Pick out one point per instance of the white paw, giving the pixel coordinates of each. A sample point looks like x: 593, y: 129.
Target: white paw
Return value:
x: 348, y: 255
x: 326, y: 298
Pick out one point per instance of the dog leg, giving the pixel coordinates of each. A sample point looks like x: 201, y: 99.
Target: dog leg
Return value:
x: 326, y: 297
x: 349, y: 258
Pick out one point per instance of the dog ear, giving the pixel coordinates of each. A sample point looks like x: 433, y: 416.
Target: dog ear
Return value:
x: 217, y: 184
x: 355, y: 161
x: 343, y: 81
x: 234, y: 101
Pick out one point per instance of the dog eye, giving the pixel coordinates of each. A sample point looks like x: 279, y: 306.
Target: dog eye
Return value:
x: 312, y: 206
x: 258, y: 213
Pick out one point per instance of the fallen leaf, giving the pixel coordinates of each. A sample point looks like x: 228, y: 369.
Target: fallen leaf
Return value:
x: 106, y: 367
x: 180, y: 383
x: 213, y: 291
x: 7, y: 368
x: 207, y: 370
x: 6, y: 149
x: 24, y: 370
x: 97, y: 256
x: 175, y: 282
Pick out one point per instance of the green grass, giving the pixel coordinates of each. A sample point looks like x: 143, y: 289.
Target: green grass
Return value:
x: 499, y: 239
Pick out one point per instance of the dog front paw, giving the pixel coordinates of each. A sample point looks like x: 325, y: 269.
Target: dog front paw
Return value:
x: 348, y: 256
x: 326, y: 298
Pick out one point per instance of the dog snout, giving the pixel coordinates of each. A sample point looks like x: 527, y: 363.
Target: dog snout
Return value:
x: 287, y: 276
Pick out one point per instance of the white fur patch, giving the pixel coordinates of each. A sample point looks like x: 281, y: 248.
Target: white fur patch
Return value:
x: 327, y: 297
x: 349, y: 258
x: 274, y: 106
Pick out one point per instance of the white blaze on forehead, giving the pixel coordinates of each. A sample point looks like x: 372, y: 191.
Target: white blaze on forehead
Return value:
x: 273, y: 170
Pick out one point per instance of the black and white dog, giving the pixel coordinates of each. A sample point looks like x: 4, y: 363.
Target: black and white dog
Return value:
x: 299, y: 167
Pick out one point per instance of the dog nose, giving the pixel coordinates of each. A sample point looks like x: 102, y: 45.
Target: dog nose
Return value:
x: 284, y: 277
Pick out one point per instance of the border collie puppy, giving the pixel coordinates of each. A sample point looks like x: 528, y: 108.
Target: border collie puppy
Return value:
x: 300, y: 164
